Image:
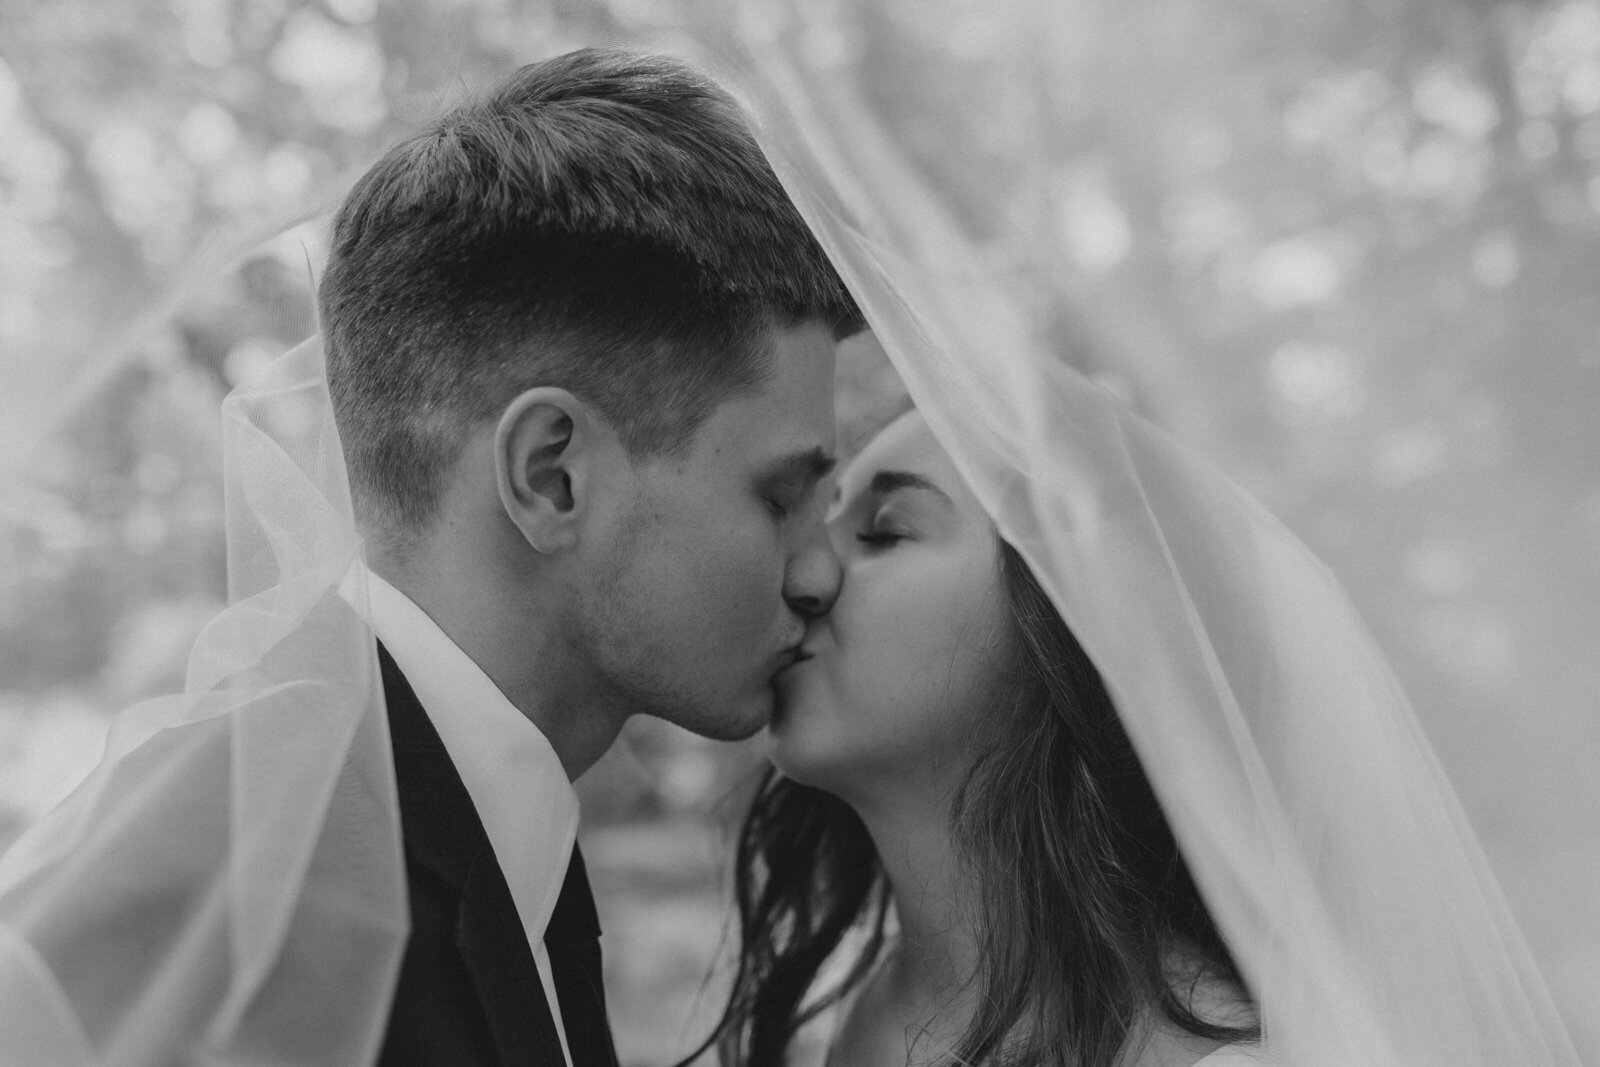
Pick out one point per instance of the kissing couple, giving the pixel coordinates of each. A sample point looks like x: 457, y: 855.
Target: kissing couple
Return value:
x: 1077, y: 757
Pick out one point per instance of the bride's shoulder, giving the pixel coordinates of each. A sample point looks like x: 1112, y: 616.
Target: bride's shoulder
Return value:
x: 1238, y: 1056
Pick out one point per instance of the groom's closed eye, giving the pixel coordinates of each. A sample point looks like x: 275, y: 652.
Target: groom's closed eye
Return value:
x: 786, y: 482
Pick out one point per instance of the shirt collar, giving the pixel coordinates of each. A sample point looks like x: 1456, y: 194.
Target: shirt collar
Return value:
x: 513, y: 775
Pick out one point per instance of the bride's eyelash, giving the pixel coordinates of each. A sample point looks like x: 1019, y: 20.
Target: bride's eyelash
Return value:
x: 879, y: 538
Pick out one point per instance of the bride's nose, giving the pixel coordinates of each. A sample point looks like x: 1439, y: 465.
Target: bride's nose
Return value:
x: 811, y: 583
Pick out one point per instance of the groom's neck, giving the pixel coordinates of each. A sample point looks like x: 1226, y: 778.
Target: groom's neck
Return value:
x: 516, y: 637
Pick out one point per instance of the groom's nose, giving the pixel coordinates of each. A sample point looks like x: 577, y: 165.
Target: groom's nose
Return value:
x: 811, y: 583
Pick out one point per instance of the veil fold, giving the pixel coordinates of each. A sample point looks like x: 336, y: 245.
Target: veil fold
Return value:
x: 227, y: 886
x: 1319, y: 826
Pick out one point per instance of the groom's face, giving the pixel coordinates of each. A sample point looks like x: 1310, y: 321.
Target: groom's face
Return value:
x: 705, y: 588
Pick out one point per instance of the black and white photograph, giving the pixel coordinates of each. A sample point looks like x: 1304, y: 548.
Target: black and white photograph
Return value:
x: 799, y: 533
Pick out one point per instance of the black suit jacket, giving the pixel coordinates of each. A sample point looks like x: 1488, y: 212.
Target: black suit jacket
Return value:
x: 469, y: 993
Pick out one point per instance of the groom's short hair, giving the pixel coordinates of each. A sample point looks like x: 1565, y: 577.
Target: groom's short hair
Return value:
x: 604, y: 222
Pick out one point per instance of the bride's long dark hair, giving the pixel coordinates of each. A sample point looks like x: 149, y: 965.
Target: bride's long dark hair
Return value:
x: 1088, y: 917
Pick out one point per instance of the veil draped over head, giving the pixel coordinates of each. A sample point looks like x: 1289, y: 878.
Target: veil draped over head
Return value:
x: 239, y: 844
x: 1311, y: 810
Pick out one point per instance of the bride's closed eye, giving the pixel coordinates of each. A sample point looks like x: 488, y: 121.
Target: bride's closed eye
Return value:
x: 879, y: 538
x: 887, y: 498
x: 883, y: 530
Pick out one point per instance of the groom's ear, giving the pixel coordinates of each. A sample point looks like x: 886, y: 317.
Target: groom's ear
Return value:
x: 546, y: 449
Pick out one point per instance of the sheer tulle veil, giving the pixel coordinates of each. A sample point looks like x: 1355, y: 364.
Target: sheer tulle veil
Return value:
x: 226, y: 886
x: 1326, y: 840
x: 251, y: 826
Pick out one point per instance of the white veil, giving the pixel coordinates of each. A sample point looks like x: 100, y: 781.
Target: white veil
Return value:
x: 226, y: 887
x: 1326, y: 840
x: 1327, y: 843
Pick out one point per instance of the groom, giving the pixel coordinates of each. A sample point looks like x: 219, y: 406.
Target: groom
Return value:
x: 580, y: 347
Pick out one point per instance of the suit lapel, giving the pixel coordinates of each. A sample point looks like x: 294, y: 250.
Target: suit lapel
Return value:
x: 497, y: 956
x: 443, y: 834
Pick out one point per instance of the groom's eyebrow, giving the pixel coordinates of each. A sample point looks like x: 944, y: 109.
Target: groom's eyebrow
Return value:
x: 811, y: 465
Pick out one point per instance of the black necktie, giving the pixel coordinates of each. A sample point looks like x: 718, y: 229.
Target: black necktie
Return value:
x: 573, y: 941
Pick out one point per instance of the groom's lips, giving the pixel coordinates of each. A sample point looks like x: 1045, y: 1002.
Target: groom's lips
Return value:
x: 793, y: 656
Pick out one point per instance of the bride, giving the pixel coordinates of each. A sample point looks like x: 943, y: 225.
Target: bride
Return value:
x: 1092, y: 762
x: 949, y: 753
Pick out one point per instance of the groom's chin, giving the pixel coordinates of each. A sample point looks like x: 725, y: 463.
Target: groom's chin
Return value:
x: 750, y: 719
x: 734, y: 721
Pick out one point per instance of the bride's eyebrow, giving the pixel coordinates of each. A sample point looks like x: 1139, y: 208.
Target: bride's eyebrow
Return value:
x: 885, y: 482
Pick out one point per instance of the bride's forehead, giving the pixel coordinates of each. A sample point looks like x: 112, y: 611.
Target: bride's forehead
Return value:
x: 904, y: 444
x: 897, y: 437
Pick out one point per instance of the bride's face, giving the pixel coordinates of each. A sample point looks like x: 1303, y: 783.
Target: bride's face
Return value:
x: 901, y: 669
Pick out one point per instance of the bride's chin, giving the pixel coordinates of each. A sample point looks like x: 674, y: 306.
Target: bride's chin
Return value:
x: 784, y: 713
x: 786, y: 741
x: 778, y: 753
x: 807, y: 737
x: 791, y: 694
x: 812, y: 769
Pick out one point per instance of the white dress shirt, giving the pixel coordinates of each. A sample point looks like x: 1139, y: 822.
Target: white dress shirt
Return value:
x: 517, y: 784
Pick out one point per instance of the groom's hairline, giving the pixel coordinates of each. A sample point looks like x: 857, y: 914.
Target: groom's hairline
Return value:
x: 776, y: 304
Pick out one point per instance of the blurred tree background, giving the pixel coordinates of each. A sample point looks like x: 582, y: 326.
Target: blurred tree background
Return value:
x: 1349, y: 251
